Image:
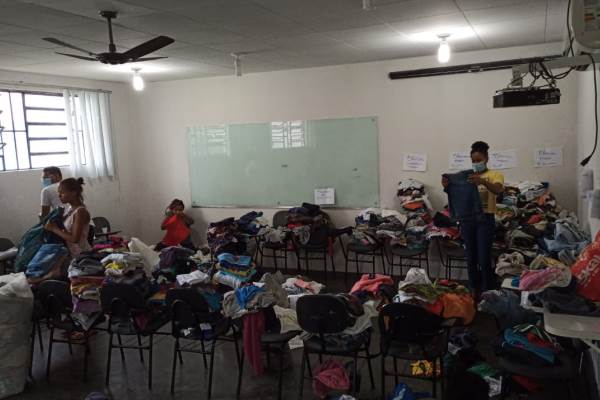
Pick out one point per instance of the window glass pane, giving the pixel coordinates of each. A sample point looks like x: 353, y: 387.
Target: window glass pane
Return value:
x: 22, y: 154
x: 45, y: 116
x: 59, y: 160
x: 47, y: 146
x: 44, y: 100
x: 16, y: 100
x: 10, y: 153
x: 47, y: 131
x: 5, y: 119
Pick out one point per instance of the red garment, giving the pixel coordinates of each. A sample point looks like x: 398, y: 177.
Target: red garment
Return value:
x: 534, y: 219
x: 254, y: 328
x: 331, y: 376
x: 368, y: 284
x: 177, y: 231
x: 436, y: 308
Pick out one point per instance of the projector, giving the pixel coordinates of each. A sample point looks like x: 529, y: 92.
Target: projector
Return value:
x: 519, y: 97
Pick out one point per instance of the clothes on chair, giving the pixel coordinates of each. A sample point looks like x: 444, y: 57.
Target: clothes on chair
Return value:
x: 371, y: 283
x: 254, y: 328
x: 245, y: 293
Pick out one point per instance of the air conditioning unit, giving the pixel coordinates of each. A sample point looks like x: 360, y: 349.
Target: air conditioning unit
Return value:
x: 585, y: 25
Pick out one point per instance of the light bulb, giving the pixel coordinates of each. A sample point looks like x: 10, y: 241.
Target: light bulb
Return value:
x: 137, y: 81
x: 444, y: 51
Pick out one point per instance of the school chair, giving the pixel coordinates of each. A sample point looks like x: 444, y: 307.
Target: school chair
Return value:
x: 364, y: 253
x: 404, y: 257
x: 324, y: 314
x: 279, y: 250
x: 411, y: 333
x: 102, y: 229
x: 452, y: 255
x: 190, y: 313
x: 57, y: 304
x: 125, y: 306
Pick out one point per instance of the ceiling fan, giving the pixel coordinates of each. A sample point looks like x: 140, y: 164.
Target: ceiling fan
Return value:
x: 135, y: 54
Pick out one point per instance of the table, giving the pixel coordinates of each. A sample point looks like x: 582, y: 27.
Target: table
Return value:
x: 587, y: 329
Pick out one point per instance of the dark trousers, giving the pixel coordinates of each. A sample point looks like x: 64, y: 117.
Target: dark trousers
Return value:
x: 478, y: 236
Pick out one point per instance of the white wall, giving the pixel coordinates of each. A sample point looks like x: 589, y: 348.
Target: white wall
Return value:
x: 585, y: 137
x: 20, y: 190
x: 429, y: 115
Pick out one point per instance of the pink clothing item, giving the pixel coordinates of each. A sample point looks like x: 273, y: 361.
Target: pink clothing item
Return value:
x: 254, y: 328
x: 368, y: 284
x: 330, y: 376
x: 538, y: 280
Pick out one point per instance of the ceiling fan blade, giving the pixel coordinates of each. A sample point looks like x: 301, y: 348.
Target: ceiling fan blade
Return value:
x: 148, y: 47
x: 76, y: 56
x: 64, y: 44
x: 147, y: 59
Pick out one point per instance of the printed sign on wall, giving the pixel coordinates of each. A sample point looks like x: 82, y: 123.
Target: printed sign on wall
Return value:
x: 503, y: 159
x: 414, y: 162
x: 548, y: 157
x: 459, y: 161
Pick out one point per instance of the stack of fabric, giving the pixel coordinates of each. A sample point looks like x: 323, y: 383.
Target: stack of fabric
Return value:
x: 252, y: 223
x: 442, y: 226
x: 125, y: 268
x: 234, y: 271
x: 443, y: 297
x: 224, y: 237
x: 374, y: 226
x: 415, y: 205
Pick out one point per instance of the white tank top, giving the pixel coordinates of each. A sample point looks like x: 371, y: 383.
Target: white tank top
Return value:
x: 75, y: 248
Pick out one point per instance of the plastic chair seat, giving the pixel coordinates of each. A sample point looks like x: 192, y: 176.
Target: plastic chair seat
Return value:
x: 274, y: 245
x: 313, y: 345
x: 278, y: 338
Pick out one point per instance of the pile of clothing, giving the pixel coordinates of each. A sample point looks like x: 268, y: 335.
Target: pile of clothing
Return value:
x: 126, y: 268
x: 373, y: 226
x: 225, y: 237
x: 114, y: 244
x: 442, y: 226
x: 443, y: 297
x: 252, y: 223
x: 528, y: 344
x: 415, y: 205
x: 234, y: 271
x: 174, y: 260
x: 86, y: 273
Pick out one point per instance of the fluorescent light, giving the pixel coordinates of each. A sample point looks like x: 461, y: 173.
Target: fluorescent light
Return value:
x: 137, y: 81
x: 444, y: 50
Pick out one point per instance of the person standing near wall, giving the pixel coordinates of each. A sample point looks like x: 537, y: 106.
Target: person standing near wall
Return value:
x: 478, y: 234
x: 51, y: 176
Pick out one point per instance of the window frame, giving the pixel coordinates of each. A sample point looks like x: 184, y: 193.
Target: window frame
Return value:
x: 26, y: 125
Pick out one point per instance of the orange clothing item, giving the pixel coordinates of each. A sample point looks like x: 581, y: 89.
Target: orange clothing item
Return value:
x: 371, y: 285
x: 177, y: 231
x: 458, y: 306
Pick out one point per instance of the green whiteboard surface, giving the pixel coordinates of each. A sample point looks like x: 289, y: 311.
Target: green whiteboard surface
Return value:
x: 278, y: 164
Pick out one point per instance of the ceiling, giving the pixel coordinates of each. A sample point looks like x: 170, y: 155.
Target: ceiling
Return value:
x: 277, y: 34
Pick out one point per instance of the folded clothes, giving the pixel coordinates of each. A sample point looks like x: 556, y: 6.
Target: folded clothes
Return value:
x: 193, y: 278
x: 537, y: 280
x: 229, y: 260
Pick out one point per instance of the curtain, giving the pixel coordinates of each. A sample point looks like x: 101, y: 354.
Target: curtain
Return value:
x: 89, y: 133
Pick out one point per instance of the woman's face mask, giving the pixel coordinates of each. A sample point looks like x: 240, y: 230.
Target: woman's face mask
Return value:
x: 479, y: 167
x: 46, y: 182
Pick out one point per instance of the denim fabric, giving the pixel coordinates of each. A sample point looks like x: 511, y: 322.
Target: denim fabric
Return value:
x: 463, y: 197
x: 567, y: 236
x: 478, y: 236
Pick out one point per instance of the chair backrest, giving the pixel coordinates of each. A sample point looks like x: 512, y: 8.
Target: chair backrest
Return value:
x: 119, y: 299
x: 6, y: 244
x: 99, y: 223
x: 408, y: 323
x: 322, y: 314
x: 280, y: 218
x: 55, y: 298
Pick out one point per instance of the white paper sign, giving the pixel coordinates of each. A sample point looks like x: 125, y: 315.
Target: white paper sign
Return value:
x: 503, y: 159
x: 459, y: 161
x: 325, y: 196
x: 414, y: 162
x: 549, y: 157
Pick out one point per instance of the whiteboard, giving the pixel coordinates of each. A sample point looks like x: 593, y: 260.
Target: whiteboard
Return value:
x: 281, y: 163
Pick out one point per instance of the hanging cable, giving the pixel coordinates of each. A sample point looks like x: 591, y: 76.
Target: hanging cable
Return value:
x: 587, y: 159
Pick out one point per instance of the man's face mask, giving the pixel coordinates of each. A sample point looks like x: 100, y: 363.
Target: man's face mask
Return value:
x: 46, y: 182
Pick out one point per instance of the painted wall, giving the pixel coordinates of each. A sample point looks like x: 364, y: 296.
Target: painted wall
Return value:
x: 20, y: 190
x: 431, y: 115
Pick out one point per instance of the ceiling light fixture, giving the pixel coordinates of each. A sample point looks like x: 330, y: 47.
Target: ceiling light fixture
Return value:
x: 444, y: 49
x: 367, y: 5
x: 237, y: 63
x: 137, y: 81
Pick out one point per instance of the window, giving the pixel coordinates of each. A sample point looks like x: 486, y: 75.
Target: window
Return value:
x: 288, y: 134
x: 34, y: 133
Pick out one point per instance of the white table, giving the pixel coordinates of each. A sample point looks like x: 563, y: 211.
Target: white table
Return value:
x: 586, y: 329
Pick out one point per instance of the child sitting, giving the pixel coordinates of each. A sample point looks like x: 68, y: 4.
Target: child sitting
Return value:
x: 177, y: 224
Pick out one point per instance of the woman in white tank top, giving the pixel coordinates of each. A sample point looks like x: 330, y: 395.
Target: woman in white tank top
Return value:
x: 76, y: 219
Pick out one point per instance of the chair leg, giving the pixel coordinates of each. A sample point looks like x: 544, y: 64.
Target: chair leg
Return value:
x: 307, y: 261
x: 175, y: 352
x: 50, y: 341
x: 150, y: 346
x: 383, y: 263
x: 85, y: 359
x: 237, y: 351
x: 370, y: 367
x: 280, y: 384
x: 180, y: 357
x: 325, y: 263
x: 395, y: 371
x: 210, y: 370
x: 442, y: 383
x: 39, y: 332
x: 120, y: 347
x: 346, y: 267
x: 320, y: 358
x: 285, y: 260
x: 240, y: 374
x: 110, y: 346
x: 31, y: 349
x: 139, y: 339
x: 302, y: 366
x: 355, y: 378
x: 382, y: 372
x: 434, y: 380
x: 204, y: 354
x: 268, y: 353
x: 310, y: 374
x: 275, y: 259
x: 69, y: 343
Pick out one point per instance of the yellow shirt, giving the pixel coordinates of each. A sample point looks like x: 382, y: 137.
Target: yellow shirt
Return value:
x: 488, y: 199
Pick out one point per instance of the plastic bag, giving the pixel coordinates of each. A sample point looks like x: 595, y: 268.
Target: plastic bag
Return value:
x: 587, y: 271
x: 150, y: 258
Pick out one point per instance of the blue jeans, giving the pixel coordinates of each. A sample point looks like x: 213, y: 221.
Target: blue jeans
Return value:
x: 463, y: 197
x: 478, y: 236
